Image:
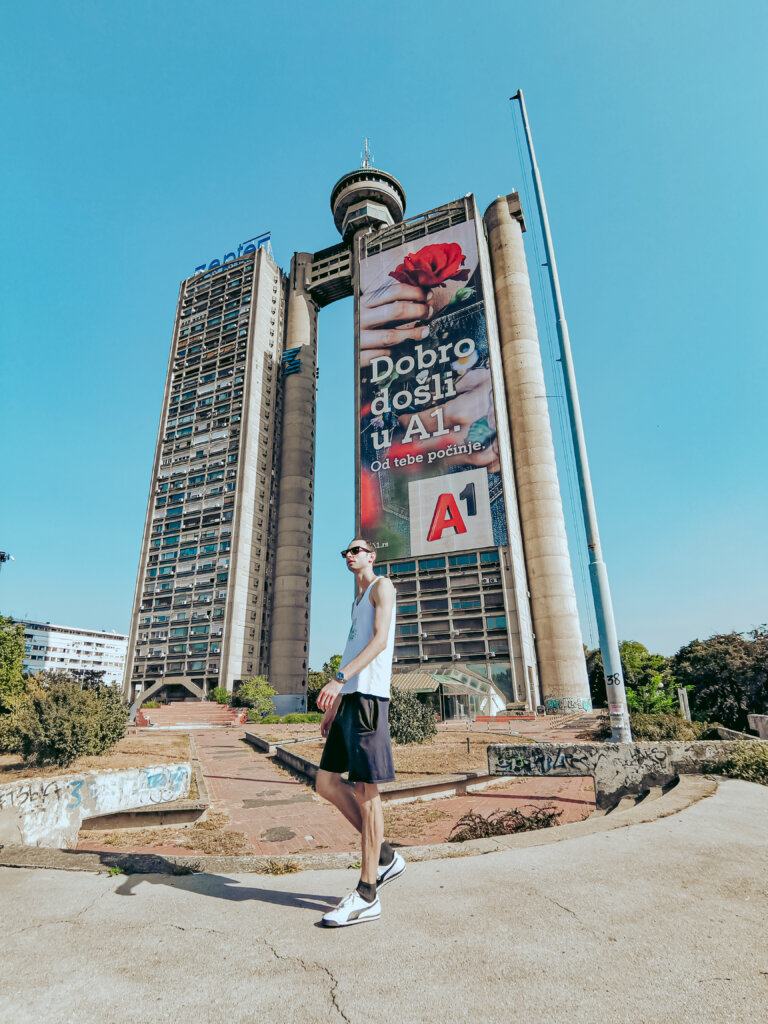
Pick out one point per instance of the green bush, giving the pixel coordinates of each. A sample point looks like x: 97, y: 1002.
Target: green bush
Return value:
x: 150, y: 704
x: 410, y: 721
x: 58, y: 722
x: 220, y: 694
x: 256, y: 693
x: 10, y: 742
x: 668, y: 727
x: 290, y: 719
x: 748, y: 761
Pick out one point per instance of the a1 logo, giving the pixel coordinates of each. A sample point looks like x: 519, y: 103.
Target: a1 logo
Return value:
x: 450, y: 513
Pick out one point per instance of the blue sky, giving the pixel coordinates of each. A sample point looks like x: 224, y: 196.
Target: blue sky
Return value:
x: 144, y: 138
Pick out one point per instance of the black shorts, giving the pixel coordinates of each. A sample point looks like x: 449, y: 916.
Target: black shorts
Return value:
x: 359, y: 740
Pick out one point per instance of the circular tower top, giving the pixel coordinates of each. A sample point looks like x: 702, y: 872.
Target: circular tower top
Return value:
x: 366, y: 198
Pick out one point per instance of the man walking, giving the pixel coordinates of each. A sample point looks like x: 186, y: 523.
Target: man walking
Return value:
x: 356, y: 724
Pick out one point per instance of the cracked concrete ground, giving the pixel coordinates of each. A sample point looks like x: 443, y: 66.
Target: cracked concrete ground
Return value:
x: 650, y: 924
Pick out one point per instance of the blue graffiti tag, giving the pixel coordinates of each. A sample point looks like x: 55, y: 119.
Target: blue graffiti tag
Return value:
x: 76, y: 787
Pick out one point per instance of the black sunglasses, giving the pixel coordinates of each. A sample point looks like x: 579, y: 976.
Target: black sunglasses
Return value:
x: 354, y: 551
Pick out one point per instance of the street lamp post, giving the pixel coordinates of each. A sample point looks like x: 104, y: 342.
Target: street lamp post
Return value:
x: 606, y: 626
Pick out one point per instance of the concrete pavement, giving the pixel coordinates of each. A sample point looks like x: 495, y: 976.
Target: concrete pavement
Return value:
x: 650, y: 924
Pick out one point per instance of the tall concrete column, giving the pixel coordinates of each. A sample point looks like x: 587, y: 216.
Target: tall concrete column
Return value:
x: 562, y: 668
x: 292, y: 574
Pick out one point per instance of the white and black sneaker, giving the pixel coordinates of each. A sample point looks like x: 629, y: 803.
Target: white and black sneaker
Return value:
x: 390, y: 871
x: 353, y: 909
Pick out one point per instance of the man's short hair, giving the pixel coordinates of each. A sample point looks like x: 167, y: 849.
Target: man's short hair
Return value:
x: 369, y: 544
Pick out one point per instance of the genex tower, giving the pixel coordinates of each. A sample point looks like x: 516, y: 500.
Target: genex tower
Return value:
x: 456, y: 483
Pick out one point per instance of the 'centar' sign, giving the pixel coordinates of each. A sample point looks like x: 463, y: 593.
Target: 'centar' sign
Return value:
x: 250, y: 245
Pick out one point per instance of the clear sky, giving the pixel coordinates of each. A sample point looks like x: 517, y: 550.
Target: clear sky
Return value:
x: 141, y: 139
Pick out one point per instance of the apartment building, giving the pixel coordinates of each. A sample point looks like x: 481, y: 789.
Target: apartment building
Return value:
x: 201, y: 610
x: 56, y: 648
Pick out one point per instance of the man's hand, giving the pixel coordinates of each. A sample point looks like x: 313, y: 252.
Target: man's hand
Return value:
x: 327, y: 722
x: 328, y: 695
x: 388, y: 316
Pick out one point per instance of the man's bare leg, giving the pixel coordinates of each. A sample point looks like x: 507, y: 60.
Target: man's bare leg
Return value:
x: 329, y: 786
x: 372, y: 829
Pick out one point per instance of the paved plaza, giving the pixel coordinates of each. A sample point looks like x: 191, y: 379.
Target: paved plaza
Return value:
x: 658, y: 923
x: 278, y: 813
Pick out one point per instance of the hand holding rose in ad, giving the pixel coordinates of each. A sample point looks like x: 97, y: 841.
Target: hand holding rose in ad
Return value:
x: 423, y: 284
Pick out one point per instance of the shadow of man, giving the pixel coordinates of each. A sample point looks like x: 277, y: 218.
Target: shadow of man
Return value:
x: 222, y: 888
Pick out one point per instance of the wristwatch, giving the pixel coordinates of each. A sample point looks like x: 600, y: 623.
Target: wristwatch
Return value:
x: 341, y: 677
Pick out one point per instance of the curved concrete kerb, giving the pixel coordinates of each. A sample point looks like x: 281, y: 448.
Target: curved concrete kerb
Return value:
x: 49, y: 812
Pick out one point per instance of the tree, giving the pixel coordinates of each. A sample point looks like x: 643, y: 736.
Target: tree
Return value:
x: 11, y: 663
x: 647, y: 678
x: 89, y: 678
x: 58, y: 721
x: 256, y: 693
x: 727, y: 676
x: 596, y: 675
x: 317, y: 680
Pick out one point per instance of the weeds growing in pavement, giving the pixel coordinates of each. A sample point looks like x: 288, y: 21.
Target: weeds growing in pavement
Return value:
x: 503, y: 823
x: 274, y: 866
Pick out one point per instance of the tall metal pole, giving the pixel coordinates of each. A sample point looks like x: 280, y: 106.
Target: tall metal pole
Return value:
x: 606, y: 626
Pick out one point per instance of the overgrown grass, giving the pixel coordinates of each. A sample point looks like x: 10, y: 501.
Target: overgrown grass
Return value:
x: 503, y: 823
x: 660, y: 726
x: 747, y: 761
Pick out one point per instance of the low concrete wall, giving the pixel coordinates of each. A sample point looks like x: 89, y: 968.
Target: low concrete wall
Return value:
x: 733, y: 734
x: 619, y: 769
x: 760, y: 724
x: 49, y: 812
x: 271, y: 746
x: 397, y: 792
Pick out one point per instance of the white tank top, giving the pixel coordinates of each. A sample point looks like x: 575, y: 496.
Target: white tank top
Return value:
x: 374, y: 680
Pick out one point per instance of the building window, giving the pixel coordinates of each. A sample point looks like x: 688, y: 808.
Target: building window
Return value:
x: 400, y: 567
x: 410, y: 629
x: 454, y: 560
x: 431, y: 563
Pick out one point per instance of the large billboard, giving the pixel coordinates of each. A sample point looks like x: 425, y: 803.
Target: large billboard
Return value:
x: 429, y: 475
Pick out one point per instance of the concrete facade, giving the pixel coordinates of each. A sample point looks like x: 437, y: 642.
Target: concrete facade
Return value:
x: 292, y: 559
x: 202, y: 603
x: 562, y: 668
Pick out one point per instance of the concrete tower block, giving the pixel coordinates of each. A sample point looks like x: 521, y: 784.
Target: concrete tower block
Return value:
x: 289, y: 632
x: 553, y: 598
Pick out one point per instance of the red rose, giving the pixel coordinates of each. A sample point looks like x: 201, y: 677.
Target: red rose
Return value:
x: 432, y: 265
